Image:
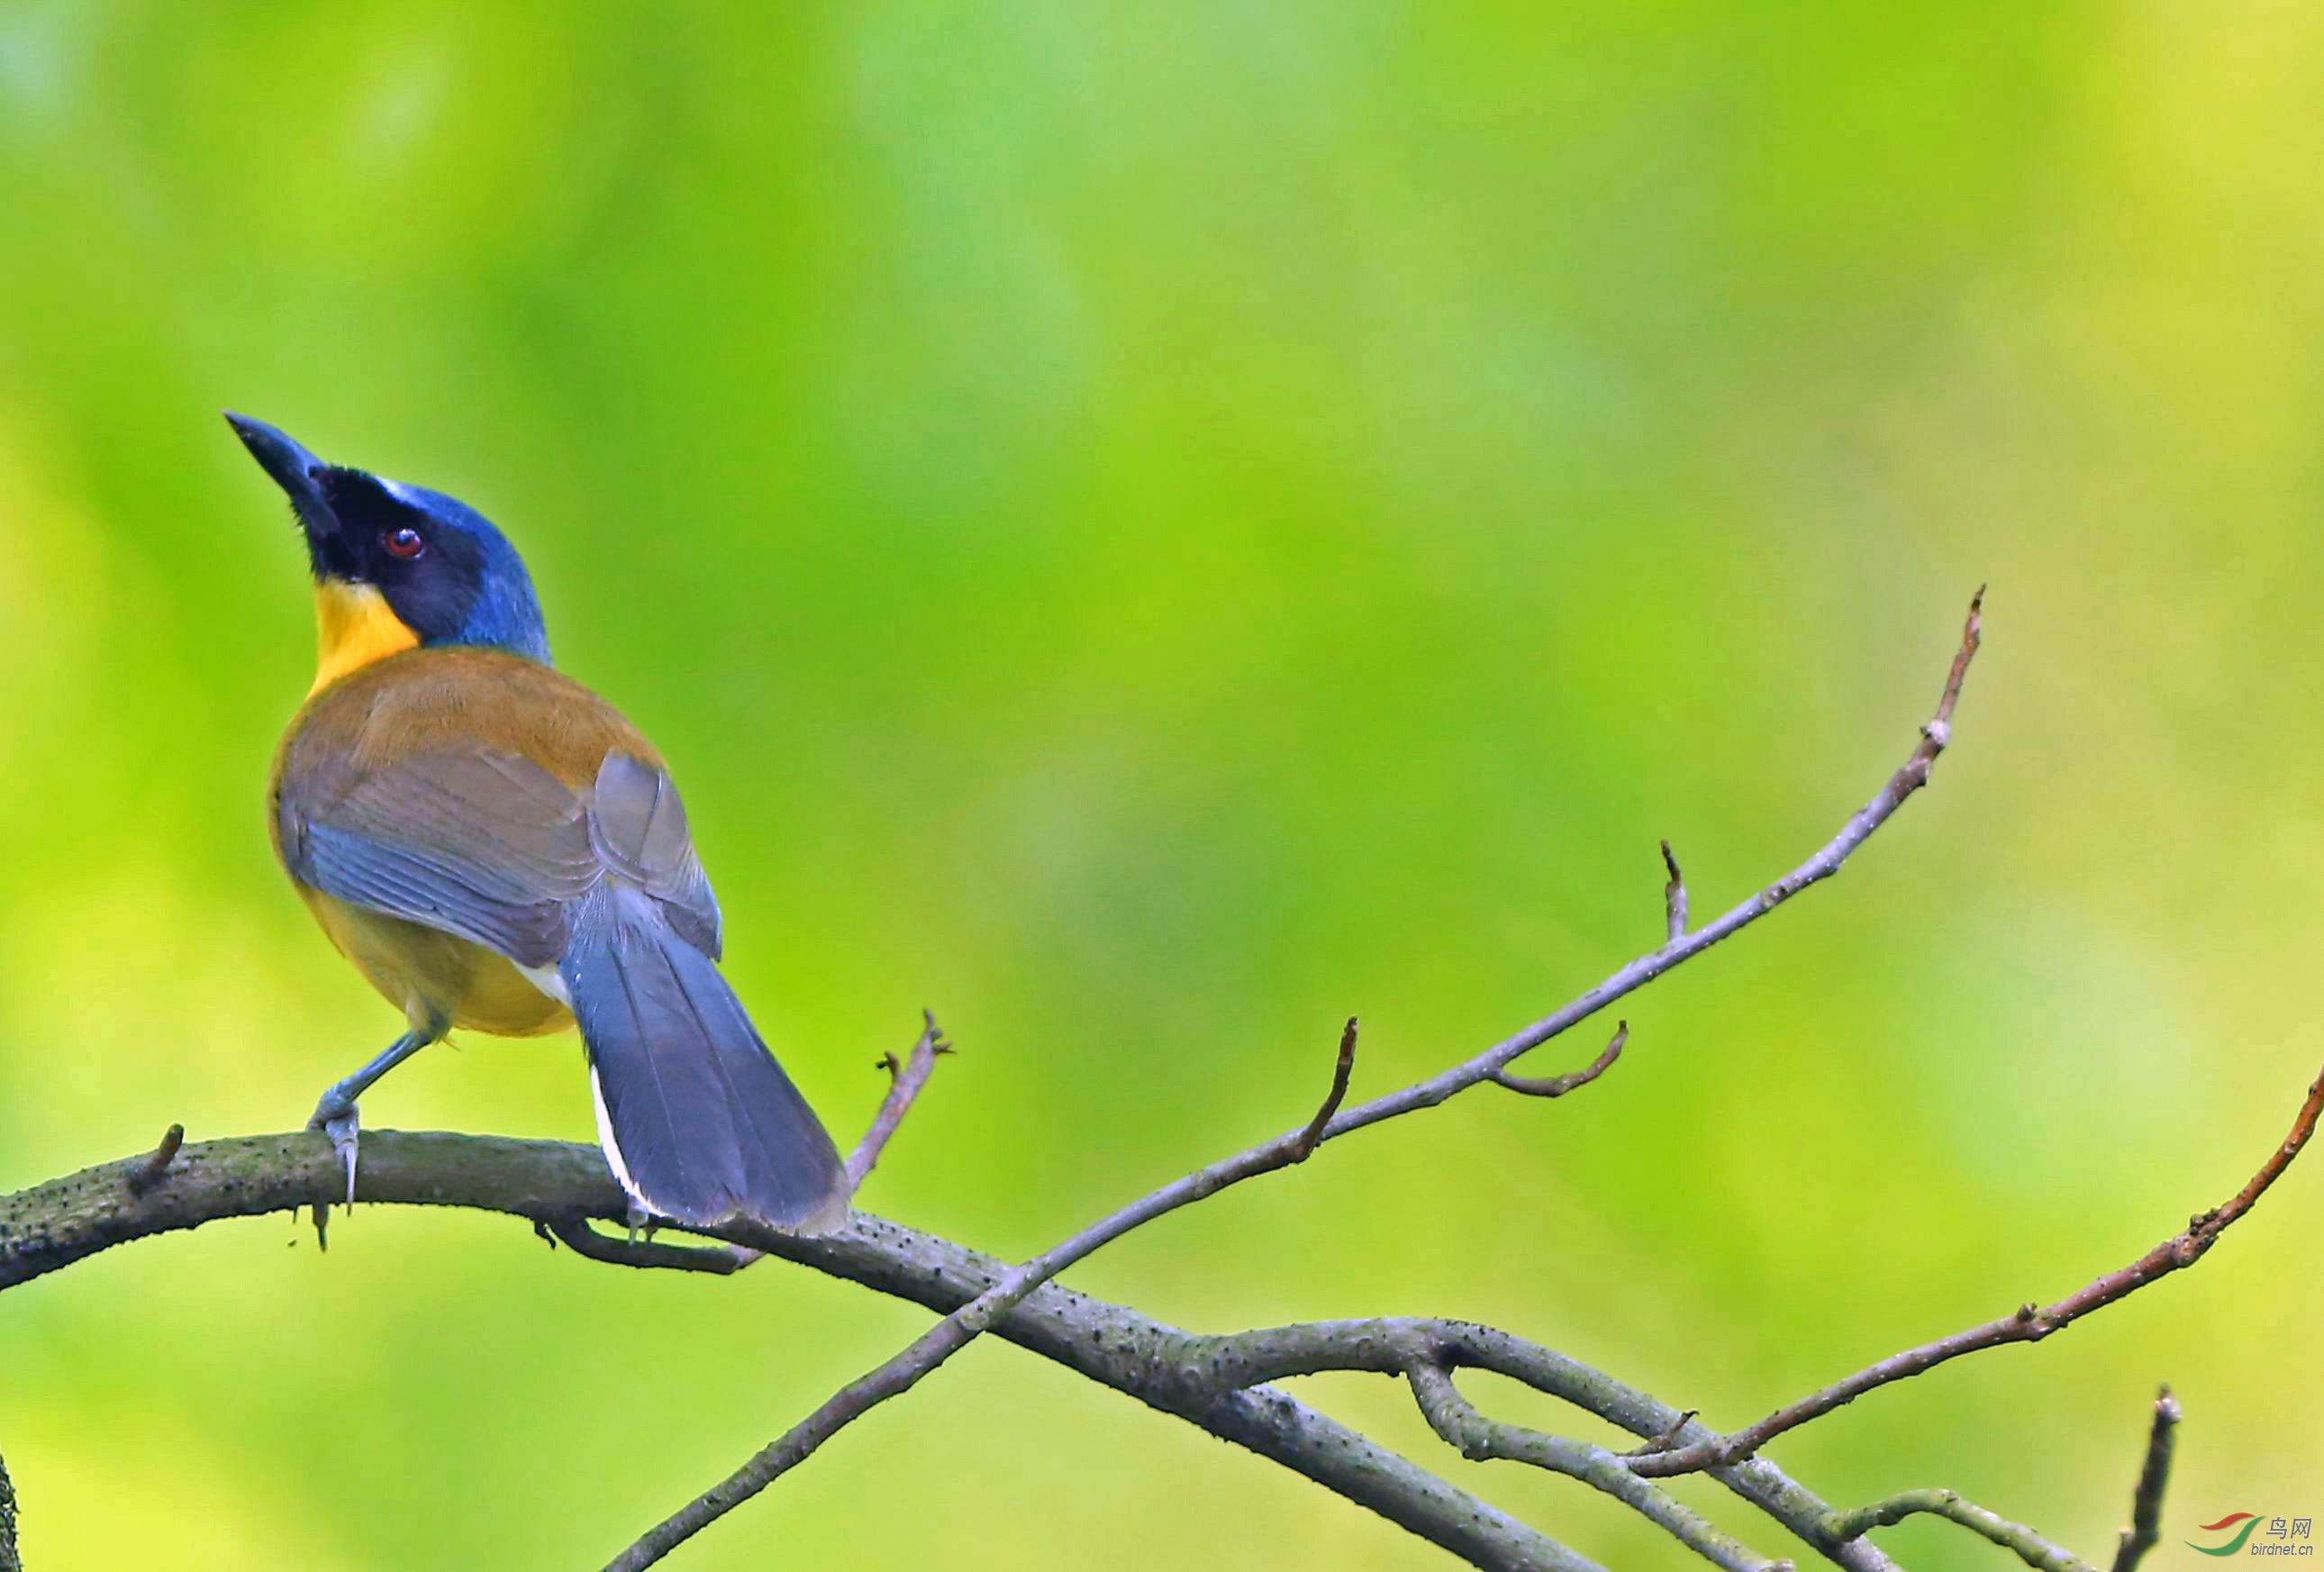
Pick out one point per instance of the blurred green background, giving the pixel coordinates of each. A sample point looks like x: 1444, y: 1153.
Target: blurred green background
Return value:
x: 1151, y: 529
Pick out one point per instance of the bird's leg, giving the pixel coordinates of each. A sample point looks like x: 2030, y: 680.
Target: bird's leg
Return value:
x: 334, y: 1113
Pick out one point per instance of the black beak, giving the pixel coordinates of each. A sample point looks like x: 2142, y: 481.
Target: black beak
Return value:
x: 298, y: 472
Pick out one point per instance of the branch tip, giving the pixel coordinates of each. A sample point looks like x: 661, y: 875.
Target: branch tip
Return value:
x: 2026, y: 1324
x: 1674, y: 897
x: 1303, y: 1145
x: 906, y: 1079
x: 1666, y: 1438
x: 151, y: 1172
x: 1940, y: 728
x: 2154, y: 1476
x: 1573, y: 1080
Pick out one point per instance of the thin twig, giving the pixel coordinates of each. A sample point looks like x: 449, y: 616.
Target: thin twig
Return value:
x: 2030, y: 1547
x: 724, y: 1259
x: 2154, y: 1475
x: 898, y: 1374
x: 1674, y: 896
x: 907, y: 1078
x: 1478, y: 1439
x: 158, y: 1164
x: 2026, y: 1324
x: 1558, y: 1086
x: 1909, y: 778
x: 940, y: 1342
x: 905, y: 1081
x: 1304, y: 1146
x: 1669, y: 1435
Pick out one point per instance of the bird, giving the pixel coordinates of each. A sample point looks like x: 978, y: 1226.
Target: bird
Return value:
x: 494, y: 847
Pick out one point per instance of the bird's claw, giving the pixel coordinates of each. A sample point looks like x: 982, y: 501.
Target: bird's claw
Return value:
x: 343, y: 1126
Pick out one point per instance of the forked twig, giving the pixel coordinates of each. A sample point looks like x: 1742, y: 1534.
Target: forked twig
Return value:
x: 904, y: 1084
x: 2027, y: 1324
x: 957, y: 1331
x: 933, y: 1347
x: 1207, y: 1381
x: 1461, y: 1427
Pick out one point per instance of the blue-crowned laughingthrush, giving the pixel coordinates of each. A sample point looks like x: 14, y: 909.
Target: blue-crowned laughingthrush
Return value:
x: 494, y: 846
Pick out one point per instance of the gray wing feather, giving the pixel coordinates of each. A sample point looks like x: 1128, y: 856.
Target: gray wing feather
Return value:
x: 493, y: 848
x: 637, y: 826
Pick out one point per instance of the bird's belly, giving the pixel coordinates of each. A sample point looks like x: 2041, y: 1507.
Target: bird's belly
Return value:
x: 436, y: 978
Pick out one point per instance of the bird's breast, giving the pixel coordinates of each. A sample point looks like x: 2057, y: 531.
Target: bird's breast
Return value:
x: 436, y: 978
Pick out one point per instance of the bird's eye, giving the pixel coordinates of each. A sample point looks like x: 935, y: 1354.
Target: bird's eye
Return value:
x: 405, y: 543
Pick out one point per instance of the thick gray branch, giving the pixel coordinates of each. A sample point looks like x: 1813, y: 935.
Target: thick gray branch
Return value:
x: 1478, y: 1439
x: 1397, y: 1344
x: 556, y: 1184
x: 898, y: 1374
x: 9, y: 1561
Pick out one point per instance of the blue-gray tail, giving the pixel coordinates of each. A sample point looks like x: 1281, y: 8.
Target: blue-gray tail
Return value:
x: 697, y: 1120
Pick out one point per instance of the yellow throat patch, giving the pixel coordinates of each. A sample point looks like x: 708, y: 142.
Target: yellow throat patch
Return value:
x: 354, y: 626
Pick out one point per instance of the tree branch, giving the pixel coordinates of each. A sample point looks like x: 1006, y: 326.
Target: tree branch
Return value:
x: 1558, y: 1086
x: 1476, y: 1437
x: 1675, y: 897
x: 1400, y: 1345
x: 2030, y: 1547
x: 2026, y: 1324
x: 558, y: 1188
x: 150, y: 1173
x: 1303, y: 1145
x: 50, y: 1227
x: 1909, y: 778
x: 939, y: 1343
x: 9, y: 1560
x: 2146, y: 1501
x: 905, y: 1081
x: 576, y: 1234
x: 907, y: 1078
x: 901, y: 1372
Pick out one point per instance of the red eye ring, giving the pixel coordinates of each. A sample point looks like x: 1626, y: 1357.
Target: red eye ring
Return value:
x: 404, y: 544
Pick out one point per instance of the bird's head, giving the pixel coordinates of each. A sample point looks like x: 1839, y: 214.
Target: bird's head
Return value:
x: 397, y: 566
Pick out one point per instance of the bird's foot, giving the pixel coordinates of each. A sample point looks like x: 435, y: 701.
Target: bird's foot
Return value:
x: 339, y: 1120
